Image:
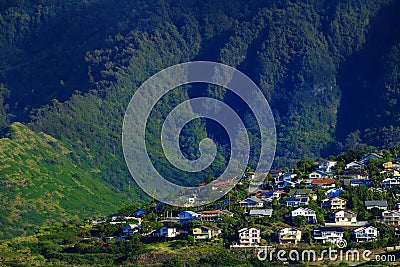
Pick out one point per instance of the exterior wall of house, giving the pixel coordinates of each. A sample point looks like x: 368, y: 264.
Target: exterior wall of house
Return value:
x: 250, y: 236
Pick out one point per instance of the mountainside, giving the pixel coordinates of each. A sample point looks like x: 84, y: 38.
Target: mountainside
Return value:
x: 329, y: 69
x: 41, y: 183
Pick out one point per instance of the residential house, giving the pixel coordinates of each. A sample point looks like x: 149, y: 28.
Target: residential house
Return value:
x: 365, y: 234
x: 356, y: 174
x: 276, y: 173
x: 287, y: 176
x: 213, y: 215
x: 166, y: 231
x: 323, y: 183
x: 185, y: 216
x: 289, y: 235
x: 397, y: 206
x: 302, y: 193
x: 344, y: 217
x: 334, y: 192
x: 391, y: 173
x: 139, y: 212
x: 130, y: 229
x: 206, y: 232
x: 358, y: 182
x: 391, y: 217
x: 355, y: 165
x: 315, y: 175
x: 287, y: 184
x: 286, y: 180
x: 336, y: 203
x: 365, y: 159
x: 378, y: 204
x: 249, y: 236
x: 327, y: 165
x: 260, y: 213
x: 391, y: 165
x: 329, y: 234
x: 390, y: 183
x: 269, y: 195
x: 296, y: 201
x: 309, y: 214
x: 252, y: 202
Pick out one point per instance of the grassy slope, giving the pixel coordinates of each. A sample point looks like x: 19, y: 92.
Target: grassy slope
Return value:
x: 39, y: 184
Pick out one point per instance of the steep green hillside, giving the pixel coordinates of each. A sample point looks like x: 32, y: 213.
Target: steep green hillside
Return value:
x: 40, y: 183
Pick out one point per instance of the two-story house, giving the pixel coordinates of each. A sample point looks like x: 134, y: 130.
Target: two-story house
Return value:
x: 289, y: 235
x: 391, y: 217
x: 309, y: 214
x: 328, y: 234
x: 213, y: 215
x: 249, y: 236
x: 365, y: 234
x: 206, y: 232
x: 335, y: 203
x: 166, y: 231
x: 390, y: 183
x: 344, y: 217
x: 185, y: 216
x: 327, y: 165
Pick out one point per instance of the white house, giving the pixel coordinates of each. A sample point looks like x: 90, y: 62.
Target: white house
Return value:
x: 390, y: 183
x: 327, y: 165
x: 354, y: 165
x: 315, y: 175
x: 329, y: 234
x: 289, y: 235
x: 249, y: 236
x: 166, y: 231
x: 309, y: 214
x: 344, y: 217
x: 365, y: 234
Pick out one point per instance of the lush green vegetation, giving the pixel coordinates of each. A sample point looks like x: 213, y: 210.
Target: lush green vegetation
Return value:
x: 42, y: 184
x: 330, y: 70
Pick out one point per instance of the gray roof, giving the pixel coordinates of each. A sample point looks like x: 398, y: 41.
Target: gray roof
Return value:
x: 263, y: 212
x: 304, y: 192
x: 376, y: 203
x: 252, y: 199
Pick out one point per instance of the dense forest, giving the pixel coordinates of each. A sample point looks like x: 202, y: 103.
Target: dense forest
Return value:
x: 329, y: 69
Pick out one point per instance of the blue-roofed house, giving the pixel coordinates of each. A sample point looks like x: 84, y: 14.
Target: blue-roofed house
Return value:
x: 296, y: 201
x: 334, y: 192
x: 187, y: 216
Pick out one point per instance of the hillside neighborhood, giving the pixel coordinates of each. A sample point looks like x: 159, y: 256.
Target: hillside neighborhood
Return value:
x: 318, y: 203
